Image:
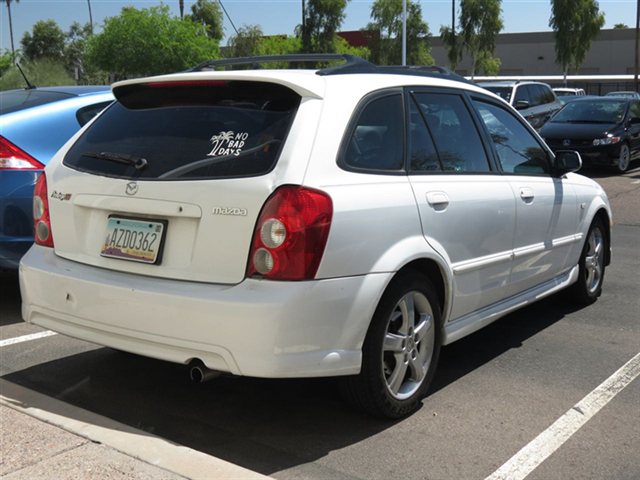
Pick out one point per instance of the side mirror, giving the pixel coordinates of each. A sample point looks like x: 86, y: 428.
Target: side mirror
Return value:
x: 567, y: 161
x: 521, y: 104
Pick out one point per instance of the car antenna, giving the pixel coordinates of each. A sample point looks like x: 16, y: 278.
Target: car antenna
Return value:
x: 29, y: 85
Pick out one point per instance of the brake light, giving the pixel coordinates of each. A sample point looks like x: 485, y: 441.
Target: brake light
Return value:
x: 41, y: 219
x: 291, y: 233
x: 14, y: 158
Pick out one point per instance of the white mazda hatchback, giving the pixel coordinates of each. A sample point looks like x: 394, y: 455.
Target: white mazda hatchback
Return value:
x: 346, y: 221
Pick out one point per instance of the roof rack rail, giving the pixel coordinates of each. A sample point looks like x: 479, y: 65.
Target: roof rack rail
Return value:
x: 294, y: 58
x: 351, y: 65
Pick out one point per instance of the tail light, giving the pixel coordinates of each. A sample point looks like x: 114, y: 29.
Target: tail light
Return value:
x: 14, y: 158
x: 41, y: 219
x: 291, y: 233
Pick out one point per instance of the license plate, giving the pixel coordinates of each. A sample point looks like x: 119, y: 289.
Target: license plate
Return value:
x: 136, y: 240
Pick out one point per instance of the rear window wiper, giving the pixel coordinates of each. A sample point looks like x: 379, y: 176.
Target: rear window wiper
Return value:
x: 138, y: 163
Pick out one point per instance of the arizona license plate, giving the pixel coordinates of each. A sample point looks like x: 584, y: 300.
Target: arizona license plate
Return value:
x: 137, y: 240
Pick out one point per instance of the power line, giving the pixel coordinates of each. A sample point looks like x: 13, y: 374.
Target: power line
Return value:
x: 228, y: 17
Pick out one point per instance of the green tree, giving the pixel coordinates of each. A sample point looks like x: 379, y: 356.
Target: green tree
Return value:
x: 575, y: 24
x: 39, y: 72
x: 45, y: 41
x: 480, y: 23
x: 208, y: 14
x: 75, y: 49
x: 250, y: 41
x: 246, y: 43
x: 451, y: 42
x: 8, y: 2
x: 619, y: 26
x: 323, y: 20
x: 386, y: 44
x: 148, y: 42
x: 6, y: 62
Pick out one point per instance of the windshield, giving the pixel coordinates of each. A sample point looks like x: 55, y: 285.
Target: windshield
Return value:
x: 502, y: 92
x: 188, y: 130
x: 596, y: 111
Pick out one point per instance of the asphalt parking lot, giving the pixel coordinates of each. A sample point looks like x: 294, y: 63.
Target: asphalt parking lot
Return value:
x: 495, y: 392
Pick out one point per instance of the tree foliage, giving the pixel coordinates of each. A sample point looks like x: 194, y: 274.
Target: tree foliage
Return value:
x: 47, y: 40
x: 208, y: 14
x: 575, y: 24
x: 323, y: 20
x: 39, y: 72
x: 480, y: 24
x: 6, y: 61
x: 451, y: 42
x: 148, y: 42
x: 386, y: 44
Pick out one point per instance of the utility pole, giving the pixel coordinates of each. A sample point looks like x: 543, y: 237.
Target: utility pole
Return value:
x: 90, y: 17
x: 453, y: 28
x: 404, y: 32
x: 637, y: 62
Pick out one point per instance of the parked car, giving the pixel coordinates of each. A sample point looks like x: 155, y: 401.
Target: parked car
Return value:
x: 534, y: 100
x: 34, y: 124
x: 605, y: 130
x: 630, y: 94
x: 347, y: 221
x: 568, y: 92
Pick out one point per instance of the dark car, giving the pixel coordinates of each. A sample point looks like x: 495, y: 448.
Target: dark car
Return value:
x: 34, y: 124
x: 604, y: 130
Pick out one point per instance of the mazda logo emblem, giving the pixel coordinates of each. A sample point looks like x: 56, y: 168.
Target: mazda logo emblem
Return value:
x: 132, y: 188
x: 566, y: 143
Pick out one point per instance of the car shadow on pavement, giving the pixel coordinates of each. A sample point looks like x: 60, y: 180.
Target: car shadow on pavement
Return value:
x: 264, y: 425
x: 9, y: 298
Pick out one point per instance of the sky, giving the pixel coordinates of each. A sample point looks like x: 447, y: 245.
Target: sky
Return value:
x: 282, y: 16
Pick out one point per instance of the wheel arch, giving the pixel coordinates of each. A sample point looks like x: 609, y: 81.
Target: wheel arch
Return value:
x: 603, y: 215
x: 436, y: 275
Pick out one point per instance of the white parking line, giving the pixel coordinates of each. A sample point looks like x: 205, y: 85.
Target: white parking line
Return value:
x: 26, y: 338
x: 539, y: 449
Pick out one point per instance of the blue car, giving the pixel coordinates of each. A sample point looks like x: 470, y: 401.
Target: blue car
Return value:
x: 34, y: 124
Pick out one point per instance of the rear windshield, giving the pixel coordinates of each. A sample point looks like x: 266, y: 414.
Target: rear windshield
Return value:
x: 188, y: 130
x: 15, y: 100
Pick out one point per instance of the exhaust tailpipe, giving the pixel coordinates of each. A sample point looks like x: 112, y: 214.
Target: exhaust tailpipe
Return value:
x: 198, y: 373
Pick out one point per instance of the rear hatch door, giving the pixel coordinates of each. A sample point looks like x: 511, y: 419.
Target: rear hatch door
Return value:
x: 170, y: 179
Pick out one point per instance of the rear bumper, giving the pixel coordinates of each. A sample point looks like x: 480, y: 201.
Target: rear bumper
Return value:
x: 257, y: 328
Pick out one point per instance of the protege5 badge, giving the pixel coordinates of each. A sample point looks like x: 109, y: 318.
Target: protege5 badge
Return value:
x: 233, y: 211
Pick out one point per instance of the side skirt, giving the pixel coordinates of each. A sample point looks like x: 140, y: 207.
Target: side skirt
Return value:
x: 474, y: 321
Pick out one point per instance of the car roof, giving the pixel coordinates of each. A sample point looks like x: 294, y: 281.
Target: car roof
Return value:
x: 76, y: 90
x: 508, y: 83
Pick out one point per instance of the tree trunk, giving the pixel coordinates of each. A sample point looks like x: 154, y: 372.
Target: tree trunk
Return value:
x: 181, y: 4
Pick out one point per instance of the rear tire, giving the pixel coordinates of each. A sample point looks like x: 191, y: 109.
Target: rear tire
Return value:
x: 591, y: 266
x: 401, y: 350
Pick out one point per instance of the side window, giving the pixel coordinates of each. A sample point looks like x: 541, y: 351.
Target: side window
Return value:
x: 548, y: 96
x: 518, y: 150
x: 522, y: 93
x: 423, y: 156
x: 376, y: 141
x: 454, y: 134
x: 87, y: 113
x: 536, y: 94
x: 635, y: 110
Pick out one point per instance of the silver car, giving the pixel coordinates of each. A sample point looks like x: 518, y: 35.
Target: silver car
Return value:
x: 346, y: 221
x: 535, y: 101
